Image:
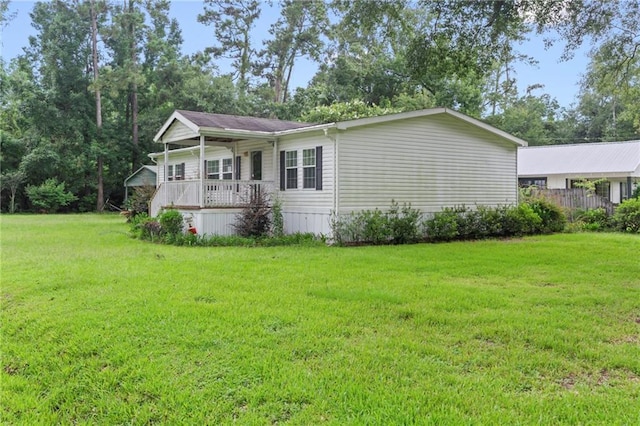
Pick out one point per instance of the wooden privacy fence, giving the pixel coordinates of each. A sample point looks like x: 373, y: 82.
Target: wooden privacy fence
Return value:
x: 577, y: 199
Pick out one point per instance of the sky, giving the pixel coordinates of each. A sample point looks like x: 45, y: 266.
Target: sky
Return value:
x: 560, y: 79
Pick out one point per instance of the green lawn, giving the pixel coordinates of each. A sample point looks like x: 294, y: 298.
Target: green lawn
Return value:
x: 98, y: 328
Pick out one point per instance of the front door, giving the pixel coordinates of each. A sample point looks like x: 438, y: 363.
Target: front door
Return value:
x: 256, y: 165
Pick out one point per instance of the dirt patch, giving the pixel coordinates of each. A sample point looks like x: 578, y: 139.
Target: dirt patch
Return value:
x: 632, y: 338
x: 604, y: 377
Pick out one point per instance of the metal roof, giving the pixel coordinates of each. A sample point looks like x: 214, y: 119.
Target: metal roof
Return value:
x: 580, y: 159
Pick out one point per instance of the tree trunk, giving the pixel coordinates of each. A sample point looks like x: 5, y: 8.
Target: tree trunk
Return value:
x: 134, y: 96
x: 96, y: 74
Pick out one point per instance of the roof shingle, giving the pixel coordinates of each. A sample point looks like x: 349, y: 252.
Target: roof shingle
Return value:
x: 236, y: 122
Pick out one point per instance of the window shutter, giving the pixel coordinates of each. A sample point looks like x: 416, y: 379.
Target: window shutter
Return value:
x: 237, y: 170
x: 204, y: 171
x: 318, y: 168
x: 282, y: 171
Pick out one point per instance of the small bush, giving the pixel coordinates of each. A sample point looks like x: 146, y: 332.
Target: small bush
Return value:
x: 139, y: 200
x: 627, y: 216
x: 522, y: 220
x: 399, y: 225
x: 443, y: 226
x: 172, y: 223
x: 254, y: 220
x: 403, y: 223
x: 594, y: 220
x: 553, y: 218
x: 49, y: 196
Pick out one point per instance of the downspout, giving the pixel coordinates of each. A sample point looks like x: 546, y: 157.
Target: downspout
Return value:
x: 202, y: 171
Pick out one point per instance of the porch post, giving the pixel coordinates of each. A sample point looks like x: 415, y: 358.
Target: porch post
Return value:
x: 166, y: 168
x: 203, y: 172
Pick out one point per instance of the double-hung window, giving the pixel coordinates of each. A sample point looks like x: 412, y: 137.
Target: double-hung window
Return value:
x: 227, y: 168
x: 309, y: 168
x: 213, y: 169
x: 170, y: 172
x: 178, y: 171
x: 291, y: 166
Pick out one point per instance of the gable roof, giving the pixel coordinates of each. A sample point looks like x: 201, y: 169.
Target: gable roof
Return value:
x: 580, y: 159
x: 252, y: 127
x: 150, y: 170
x: 198, y: 121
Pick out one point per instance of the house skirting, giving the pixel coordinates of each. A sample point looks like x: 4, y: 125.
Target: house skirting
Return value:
x: 220, y: 221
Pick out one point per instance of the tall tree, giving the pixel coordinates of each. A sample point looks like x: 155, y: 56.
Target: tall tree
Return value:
x: 96, y: 86
x: 233, y: 21
x: 297, y: 33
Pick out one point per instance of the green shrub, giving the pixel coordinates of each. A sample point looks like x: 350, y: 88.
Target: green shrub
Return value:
x: 49, y: 196
x: 403, y: 223
x: 172, y: 222
x: 594, y: 219
x: 373, y: 227
x: 399, y: 225
x: 553, y: 218
x: 627, y: 216
x: 443, y: 226
x: 522, y: 220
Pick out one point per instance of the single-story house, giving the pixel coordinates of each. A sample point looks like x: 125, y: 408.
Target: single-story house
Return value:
x: 614, y: 165
x: 144, y: 176
x: 431, y: 158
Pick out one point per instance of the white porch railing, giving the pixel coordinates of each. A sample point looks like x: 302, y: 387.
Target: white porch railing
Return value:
x: 217, y: 193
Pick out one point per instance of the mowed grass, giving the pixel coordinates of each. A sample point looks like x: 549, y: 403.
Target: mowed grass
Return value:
x: 98, y: 328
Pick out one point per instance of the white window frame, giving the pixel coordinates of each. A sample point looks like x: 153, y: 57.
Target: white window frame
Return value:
x: 227, y: 168
x: 309, y: 168
x: 213, y: 172
x: 291, y: 169
x: 182, y: 168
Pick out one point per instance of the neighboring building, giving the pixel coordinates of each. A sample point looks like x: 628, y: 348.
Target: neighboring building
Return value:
x: 144, y: 176
x: 431, y: 158
x: 616, y: 165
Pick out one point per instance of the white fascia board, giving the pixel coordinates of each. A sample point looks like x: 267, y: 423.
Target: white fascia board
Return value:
x: 487, y: 127
x: 311, y: 128
x: 343, y: 125
x: 172, y: 151
x: 175, y: 116
x: 235, y: 134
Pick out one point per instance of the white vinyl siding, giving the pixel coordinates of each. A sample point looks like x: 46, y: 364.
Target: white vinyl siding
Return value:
x: 300, y: 201
x: 178, y: 131
x: 430, y: 162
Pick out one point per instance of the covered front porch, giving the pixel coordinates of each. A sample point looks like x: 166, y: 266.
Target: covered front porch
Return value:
x: 208, y: 193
